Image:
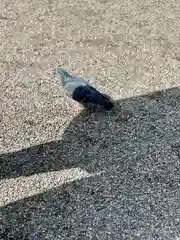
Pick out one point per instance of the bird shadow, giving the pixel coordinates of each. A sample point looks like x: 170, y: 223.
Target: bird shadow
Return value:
x: 135, y: 149
x: 91, y: 137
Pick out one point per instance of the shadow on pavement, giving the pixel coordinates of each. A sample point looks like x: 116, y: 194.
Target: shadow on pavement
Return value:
x: 136, y: 151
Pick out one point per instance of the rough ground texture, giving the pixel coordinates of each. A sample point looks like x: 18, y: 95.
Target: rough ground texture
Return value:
x: 67, y: 173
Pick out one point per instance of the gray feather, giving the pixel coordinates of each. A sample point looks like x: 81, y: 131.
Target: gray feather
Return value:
x: 70, y: 83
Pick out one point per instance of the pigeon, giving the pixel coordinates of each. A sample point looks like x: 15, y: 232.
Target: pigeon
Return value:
x: 79, y: 90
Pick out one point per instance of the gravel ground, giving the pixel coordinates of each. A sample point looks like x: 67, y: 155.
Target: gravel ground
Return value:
x: 68, y: 173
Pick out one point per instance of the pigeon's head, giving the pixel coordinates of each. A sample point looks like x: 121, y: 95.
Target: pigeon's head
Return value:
x: 61, y: 73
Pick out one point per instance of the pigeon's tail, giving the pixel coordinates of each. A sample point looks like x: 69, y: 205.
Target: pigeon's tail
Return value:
x: 88, y: 94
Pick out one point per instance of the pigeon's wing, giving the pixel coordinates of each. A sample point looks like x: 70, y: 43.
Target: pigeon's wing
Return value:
x: 79, y: 80
x: 73, y: 83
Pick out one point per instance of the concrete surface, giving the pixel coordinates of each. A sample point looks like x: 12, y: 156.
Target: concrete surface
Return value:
x: 71, y: 174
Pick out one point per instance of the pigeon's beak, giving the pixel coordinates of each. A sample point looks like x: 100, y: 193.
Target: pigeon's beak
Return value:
x: 58, y: 71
